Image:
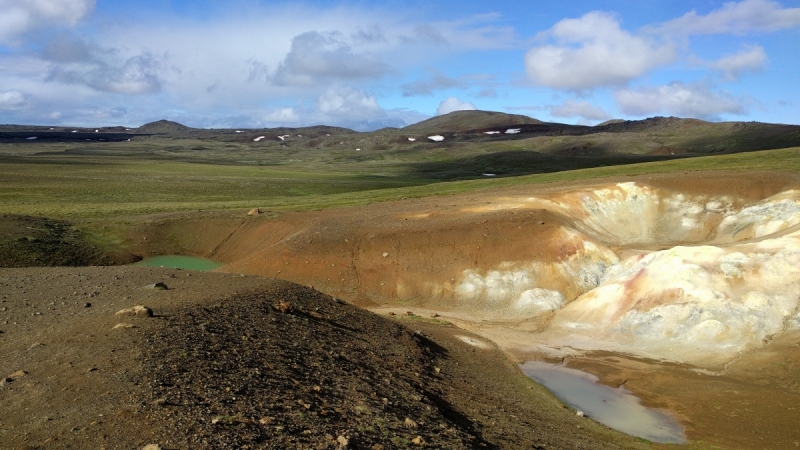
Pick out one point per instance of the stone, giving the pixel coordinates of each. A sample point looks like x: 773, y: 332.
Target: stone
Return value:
x: 254, y: 212
x: 157, y: 286
x: 123, y: 325
x: 418, y: 441
x: 284, y: 307
x: 138, y: 310
x: 152, y: 447
x: 343, y: 441
x: 579, y: 413
x: 410, y: 423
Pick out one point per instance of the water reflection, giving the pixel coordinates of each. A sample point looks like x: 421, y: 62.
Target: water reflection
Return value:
x: 616, y: 408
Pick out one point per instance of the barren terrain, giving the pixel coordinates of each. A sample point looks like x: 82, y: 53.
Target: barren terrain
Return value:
x: 366, y: 303
x: 414, y: 255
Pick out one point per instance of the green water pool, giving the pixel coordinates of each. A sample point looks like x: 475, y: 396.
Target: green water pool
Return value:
x: 179, y: 262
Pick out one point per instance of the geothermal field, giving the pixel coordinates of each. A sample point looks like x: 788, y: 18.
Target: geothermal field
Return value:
x: 404, y: 287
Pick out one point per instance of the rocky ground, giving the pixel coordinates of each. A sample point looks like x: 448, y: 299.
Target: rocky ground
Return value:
x: 228, y: 361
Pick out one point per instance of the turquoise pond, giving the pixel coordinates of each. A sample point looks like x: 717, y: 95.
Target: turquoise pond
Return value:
x: 616, y: 408
x: 179, y: 262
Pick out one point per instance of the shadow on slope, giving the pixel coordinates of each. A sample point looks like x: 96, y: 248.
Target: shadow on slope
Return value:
x: 515, y: 163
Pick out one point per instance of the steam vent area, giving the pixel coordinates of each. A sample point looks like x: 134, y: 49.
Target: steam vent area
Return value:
x: 652, y: 270
x: 683, y: 290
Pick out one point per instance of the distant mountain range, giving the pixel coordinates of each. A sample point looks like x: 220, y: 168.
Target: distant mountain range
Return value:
x: 653, y: 136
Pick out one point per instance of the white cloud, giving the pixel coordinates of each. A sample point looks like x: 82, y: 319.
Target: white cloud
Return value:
x: 238, y: 63
x: 349, y: 104
x: 571, y: 108
x: 751, y: 58
x: 282, y: 116
x: 436, y: 81
x: 136, y: 75
x: 11, y: 99
x: 340, y: 106
x: 734, y: 18
x: 316, y: 57
x: 593, y: 51
x: 679, y: 99
x: 451, y: 104
x: 18, y: 17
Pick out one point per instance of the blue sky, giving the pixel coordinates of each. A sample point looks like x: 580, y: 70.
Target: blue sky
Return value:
x: 366, y: 65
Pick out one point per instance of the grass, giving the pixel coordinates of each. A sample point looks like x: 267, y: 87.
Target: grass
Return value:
x: 101, y: 186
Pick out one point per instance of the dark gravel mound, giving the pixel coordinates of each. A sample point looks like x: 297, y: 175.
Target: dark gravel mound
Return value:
x: 299, y: 371
x: 291, y: 368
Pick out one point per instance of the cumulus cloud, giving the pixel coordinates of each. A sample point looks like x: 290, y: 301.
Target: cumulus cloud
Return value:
x: 316, y: 57
x: 435, y: 82
x: 66, y: 48
x: 136, y: 75
x: 571, y: 108
x: 18, y: 17
x: 282, y: 116
x: 734, y: 17
x: 593, y: 51
x: 340, y: 106
x: 12, y: 99
x: 679, y: 99
x: 751, y: 58
x: 349, y: 103
x: 451, y: 104
x: 216, y: 70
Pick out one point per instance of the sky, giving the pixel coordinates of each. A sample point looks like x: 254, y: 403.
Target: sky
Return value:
x: 367, y: 65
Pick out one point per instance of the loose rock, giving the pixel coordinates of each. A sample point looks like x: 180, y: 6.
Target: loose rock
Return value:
x: 157, y: 286
x: 138, y: 310
x: 17, y: 374
x: 284, y: 307
x: 123, y: 325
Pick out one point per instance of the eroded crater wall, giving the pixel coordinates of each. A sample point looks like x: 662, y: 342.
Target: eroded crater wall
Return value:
x: 648, y: 270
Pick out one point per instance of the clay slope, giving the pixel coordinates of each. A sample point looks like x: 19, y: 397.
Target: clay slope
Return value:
x: 601, y: 261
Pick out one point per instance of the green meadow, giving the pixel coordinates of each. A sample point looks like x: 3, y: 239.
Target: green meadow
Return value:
x: 92, y: 186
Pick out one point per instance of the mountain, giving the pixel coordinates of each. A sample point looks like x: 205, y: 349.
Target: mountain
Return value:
x: 163, y: 127
x: 470, y: 120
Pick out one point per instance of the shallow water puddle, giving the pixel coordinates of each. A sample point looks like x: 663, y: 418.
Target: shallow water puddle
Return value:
x: 179, y: 262
x: 617, y: 408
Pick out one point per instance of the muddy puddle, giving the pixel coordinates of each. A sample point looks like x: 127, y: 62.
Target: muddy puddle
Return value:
x: 616, y: 408
x: 180, y: 262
